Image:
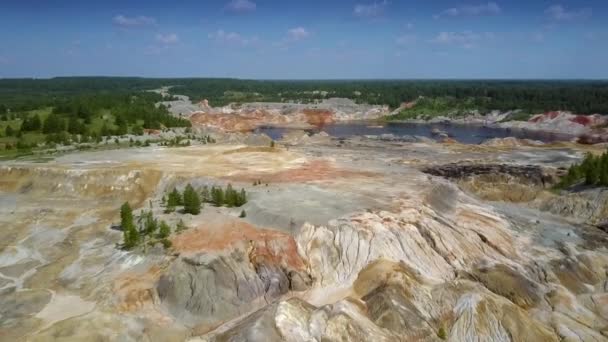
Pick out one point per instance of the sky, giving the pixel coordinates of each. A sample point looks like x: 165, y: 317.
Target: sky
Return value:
x: 311, y: 39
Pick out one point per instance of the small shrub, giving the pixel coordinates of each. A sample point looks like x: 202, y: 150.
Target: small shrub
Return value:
x: 166, y: 243
x: 243, y: 214
x: 181, y: 226
x: 442, y: 334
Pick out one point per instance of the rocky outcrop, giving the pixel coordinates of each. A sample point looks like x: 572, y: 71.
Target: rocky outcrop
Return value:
x: 206, y: 286
x: 248, y: 116
x: 528, y: 174
x: 589, y: 205
x: 511, y: 142
x: 433, y: 236
x: 591, y: 127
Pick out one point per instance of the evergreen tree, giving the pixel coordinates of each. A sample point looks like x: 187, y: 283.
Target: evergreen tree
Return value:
x: 243, y: 214
x: 32, y: 123
x: 593, y: 171
x: 130, y: 233
x: 75, y: 126
x: 105, y: 130
x: 164, y: 230
x: 53, y: 124
x: 150, y: 223
x: 230, y: 196
x: 241, y: 198
x: 9, y: 131
x: 174, y: 199
x: 217, y: 196
x: 192, y: 203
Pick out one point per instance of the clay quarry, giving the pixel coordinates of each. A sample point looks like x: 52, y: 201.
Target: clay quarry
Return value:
x: 350, y: 239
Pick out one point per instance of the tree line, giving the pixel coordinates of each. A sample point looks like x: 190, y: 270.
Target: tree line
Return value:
x: 147, y: 230
x: 593, y: 171
x: 192, y: 201
x: 584, y: 97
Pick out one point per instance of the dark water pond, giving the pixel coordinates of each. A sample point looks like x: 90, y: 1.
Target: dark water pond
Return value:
x: 467, y: 134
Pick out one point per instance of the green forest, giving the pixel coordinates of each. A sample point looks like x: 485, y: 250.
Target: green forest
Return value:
x: 64, y: 110
x: 77, y: 110
x: 592, y: 171
x: 582, y: 97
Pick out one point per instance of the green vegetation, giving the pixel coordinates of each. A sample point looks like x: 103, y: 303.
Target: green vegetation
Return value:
x: 228, y: 197
x: 592, y: 171
x: 584, y: 97
x: 36, y: 114
x: 164, y: 230
x: 148, y: 230
x: 442, y: 334
x: 192, y: 202
x: 426, y: 108
x: 243, y: 214
x: 130, y: 233
x: 519, y: 116
x: 174, y: 200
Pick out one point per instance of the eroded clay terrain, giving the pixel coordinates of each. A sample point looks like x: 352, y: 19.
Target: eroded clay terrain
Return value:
x: 345, y: 240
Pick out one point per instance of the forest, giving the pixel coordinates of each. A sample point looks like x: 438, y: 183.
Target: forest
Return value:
x: 69, y: 110
x: 582, y: 97
x: 75, y: 109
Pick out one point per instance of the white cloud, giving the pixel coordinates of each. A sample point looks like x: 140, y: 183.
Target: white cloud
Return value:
x: 167, y: 39
x: 465, y: 39
x: 370, y: 10
x: 558, y: 12
x: 241, y: 6
x: 298, y: 33
x: 406, y: 39
x: 491, y: 8
x: 126, y: 22
x: 234, y: 38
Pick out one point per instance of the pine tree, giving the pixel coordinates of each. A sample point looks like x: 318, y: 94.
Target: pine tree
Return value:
x: 192, y: 203
x: 150, y: 223
x: 175, y: 198
x: 9, y: 131
x: 164, y: 231
x: 241, y: 198
x: 53, y: 124
x: 130, y: 233
x: 243, y: 214
x: 217, y: 196
x: 230, y: 196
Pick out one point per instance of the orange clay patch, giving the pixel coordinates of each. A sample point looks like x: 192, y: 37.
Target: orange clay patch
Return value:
x: 135, y: 290
x: 318, y: 117
x: 311, y: 171
x: 241, y: 122
x: 264, y: 245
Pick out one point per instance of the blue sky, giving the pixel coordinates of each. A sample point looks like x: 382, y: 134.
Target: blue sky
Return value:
x: 289, y: 39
